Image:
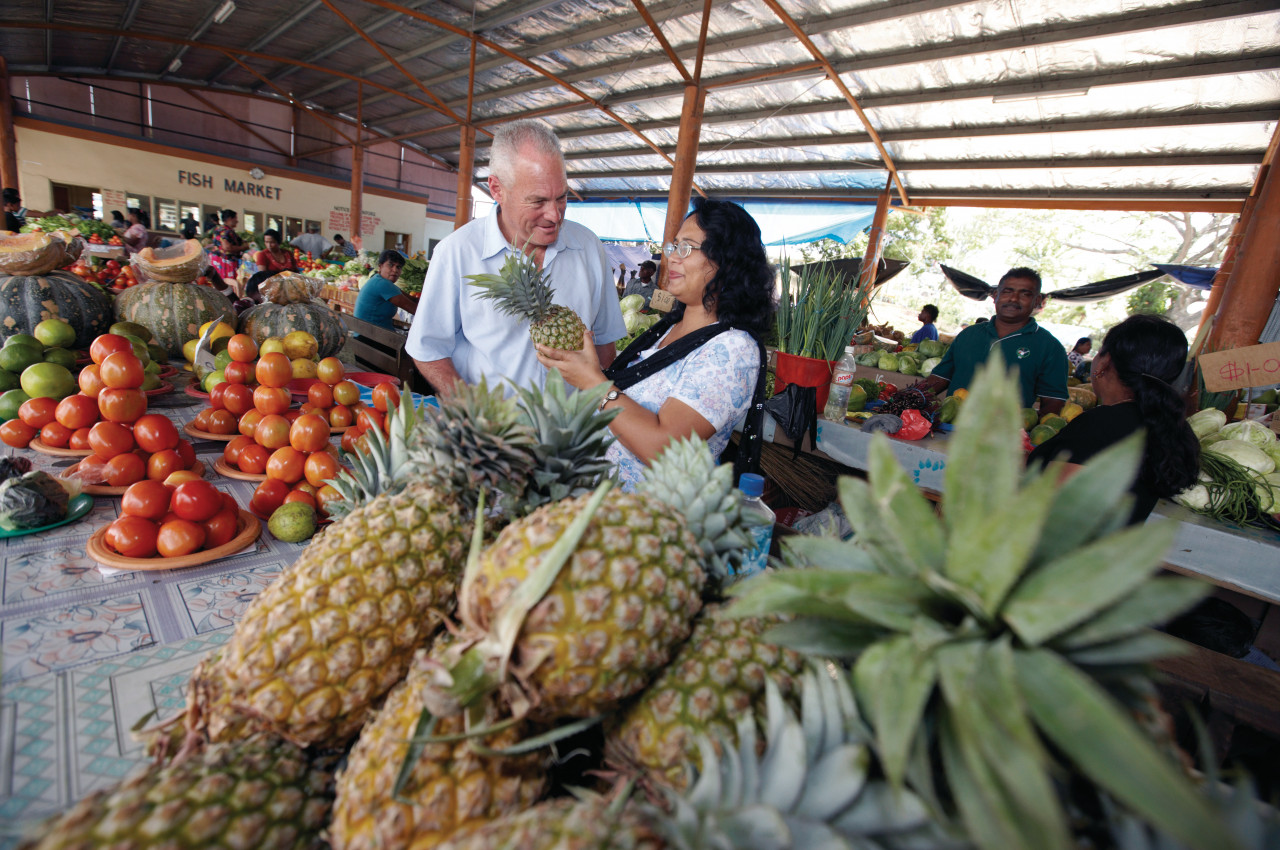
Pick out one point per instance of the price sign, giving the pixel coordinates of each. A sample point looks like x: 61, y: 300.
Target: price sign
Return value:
x: 1254, y: 366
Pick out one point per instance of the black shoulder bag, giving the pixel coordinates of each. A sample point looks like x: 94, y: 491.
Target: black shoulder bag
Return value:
x: 624, y: 372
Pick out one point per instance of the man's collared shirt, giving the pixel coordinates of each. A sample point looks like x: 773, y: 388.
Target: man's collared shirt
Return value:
x: 1040, y: 358
x: 483, y: 342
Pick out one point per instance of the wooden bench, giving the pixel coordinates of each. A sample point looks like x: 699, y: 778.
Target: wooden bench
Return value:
x: 381, y: 350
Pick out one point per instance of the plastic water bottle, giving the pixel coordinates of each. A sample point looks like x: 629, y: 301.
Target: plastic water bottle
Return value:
x: 759, y: 520
x: 841, y: 385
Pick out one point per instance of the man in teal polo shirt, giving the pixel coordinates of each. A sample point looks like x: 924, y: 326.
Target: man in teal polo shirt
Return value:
x: 1040, y: 358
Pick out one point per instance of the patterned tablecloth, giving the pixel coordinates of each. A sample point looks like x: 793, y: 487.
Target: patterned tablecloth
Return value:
x: 86, y: 652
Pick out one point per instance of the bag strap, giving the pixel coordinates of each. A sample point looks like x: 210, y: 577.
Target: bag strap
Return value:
x: 752, y: 441
x: 625, y: 373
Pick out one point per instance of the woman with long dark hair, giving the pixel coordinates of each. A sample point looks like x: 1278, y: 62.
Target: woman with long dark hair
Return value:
x: 697, y: 370
x: 136, y: 235
x: 1133, y: 377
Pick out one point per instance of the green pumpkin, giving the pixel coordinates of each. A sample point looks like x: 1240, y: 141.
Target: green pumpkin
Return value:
x: 279, y: 319
x: 27, y: 300
x: 173, y: 312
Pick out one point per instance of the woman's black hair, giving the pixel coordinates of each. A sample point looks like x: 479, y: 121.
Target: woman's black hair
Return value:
x: 1148, y: 353
x: 391, y: 255
x: 228, y: 215
x: 741, y: 292
x: 256, y: 280
x: 116, y: 215
x: 274, y: 234
x: 144, y: 217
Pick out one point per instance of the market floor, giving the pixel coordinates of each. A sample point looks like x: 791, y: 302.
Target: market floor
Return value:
x: 87, y: 652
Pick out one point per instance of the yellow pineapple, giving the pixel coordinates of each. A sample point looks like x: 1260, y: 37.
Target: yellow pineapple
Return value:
x: 524, y: 290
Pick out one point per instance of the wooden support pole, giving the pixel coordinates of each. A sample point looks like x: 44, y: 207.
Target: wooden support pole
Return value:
x: 8, y: 135
x: 466, y: 167
x: 875, y: 241
x: 695, y: 97
x: 357, y: 175
x: 1254, y: 281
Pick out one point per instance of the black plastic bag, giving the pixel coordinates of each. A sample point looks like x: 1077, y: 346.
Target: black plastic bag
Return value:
x: 796, y: 411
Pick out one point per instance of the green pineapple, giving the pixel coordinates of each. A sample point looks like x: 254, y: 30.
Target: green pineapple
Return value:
x: 563, y: 824
x: 261, y: 792
x: 717, y: 677
x: 523, y: 290
x: 1004, y: 642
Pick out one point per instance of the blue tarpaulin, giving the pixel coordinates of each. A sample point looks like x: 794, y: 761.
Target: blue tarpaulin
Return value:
x: 1198, y: 277
x: 781, y: 222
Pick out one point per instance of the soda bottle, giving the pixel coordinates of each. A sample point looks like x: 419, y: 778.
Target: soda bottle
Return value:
x: 759, y: 520
x: 841, y: 384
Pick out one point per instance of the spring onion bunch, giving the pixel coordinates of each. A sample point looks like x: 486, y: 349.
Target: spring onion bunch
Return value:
x: 819, y: 316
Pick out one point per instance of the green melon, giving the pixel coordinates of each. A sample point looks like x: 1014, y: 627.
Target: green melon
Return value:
x: 267, y: 320
x: 28, y: 300
x: 173, y: 312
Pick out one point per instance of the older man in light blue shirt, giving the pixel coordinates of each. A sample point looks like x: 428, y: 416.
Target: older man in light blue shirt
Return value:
x: 459, y: 336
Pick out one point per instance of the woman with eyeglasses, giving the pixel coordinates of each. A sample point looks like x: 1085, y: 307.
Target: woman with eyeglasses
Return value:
x: 696, y: 371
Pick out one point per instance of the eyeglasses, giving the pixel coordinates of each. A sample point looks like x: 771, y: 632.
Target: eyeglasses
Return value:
x: 681, y: 249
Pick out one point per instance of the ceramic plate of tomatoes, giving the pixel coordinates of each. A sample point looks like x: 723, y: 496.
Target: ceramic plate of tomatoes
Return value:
x: 108, y: 490
x: 192, y: 431
x: 247, y: 530
x: 165, y: 387
x: 194, y: 390
x: 42, y: 447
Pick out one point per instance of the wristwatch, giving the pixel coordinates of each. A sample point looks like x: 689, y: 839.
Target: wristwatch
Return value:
x: 610, y: 396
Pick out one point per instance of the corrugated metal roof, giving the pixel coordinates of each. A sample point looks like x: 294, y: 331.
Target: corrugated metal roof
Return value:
x: 1099, y: 99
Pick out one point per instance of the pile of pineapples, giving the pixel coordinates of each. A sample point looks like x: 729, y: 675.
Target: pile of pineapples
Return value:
x: 977, y: 678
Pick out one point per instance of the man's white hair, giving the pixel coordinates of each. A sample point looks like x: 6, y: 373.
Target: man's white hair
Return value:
x: 510, y: 139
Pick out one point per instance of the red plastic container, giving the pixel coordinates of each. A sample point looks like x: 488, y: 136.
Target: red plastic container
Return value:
x: 806, y: 372
x: 371, y: 379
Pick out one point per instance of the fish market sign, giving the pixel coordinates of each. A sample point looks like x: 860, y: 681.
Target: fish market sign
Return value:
x: 234, y: 187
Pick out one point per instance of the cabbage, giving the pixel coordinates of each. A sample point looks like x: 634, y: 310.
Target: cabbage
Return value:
x: 1249, y: 431
x: 632, y: 302
x: 637, y: 322
x: 1195, y: 497
x: 908, y: 366
x: 926, y: 368
x: 1269, y: 493
x: 932, y: 348
x: 1273, y: 451
x: 1206, y: 422
x: 1245, y: 454
x: 871, y: 358
x: 888, y: 362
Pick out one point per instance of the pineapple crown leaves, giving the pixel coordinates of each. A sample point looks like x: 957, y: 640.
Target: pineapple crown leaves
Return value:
x: 941, y: 616
x: 473, y: 440
x: 686, y: 478
x: 381, y: 464
x: 812, y: 787
x: 520, y: 288
x: 571, y: 436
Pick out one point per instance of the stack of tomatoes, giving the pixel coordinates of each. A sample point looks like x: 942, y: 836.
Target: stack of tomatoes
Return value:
x: 332, y: 396
x: 386, y: 398
x: 172, y: 518
x: 236, y: 397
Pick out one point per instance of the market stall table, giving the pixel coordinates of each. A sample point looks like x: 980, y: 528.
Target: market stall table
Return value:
x: 87, y: 652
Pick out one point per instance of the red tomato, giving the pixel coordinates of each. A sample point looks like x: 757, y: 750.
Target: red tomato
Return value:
x: 345, y: 392
x: 349, y: 441
x: 369, y: 418
x: 38, y: 412
x: 79, y: 440
x: 269, y: 496
x: 385, y: 396
x: 292, y: 415
x: 231, y: 454
x: 187, y: 453
x: 272, y: 400
x: 300, y: 496
x: 108, y: 439
x: 274, y: 370
x: 77, y: 411
x: 237, y: 398
x: 90, y: 381
x: 147, y: 499
x: 286, y: 464
x: 272, y: 432
x: 179, y: 537
x: 163, y: 464
x: 229, y: 503
x: 319, y: 468
x: 181, y: 476
x: 325, y: 496
x: 17, y: 433
x: 55, y: 434
x: 122, y: 405
x: 196, y: 500
x: 253, y: 459
x: 155, y: 433
x: 125, y: 469
x: 304, y: 487
x: 216, y: 396
x: 222, y: 422
x: 108, y: 344
x: 122, y: 370
x: 242, y: 348
x: 249, y: 422
x: 340, y: 416
x: 320, y: 395
x: 238, y: 373
x: 220, y: 528
x: 133, y: 536
x: 201, y: 420
x: 92, y: 470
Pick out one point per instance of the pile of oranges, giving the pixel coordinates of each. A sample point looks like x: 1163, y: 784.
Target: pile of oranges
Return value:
x: 107, y: 418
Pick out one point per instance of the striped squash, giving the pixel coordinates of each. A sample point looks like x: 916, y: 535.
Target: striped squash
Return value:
x: 30, y: 299
x: 173, y: 312
x: 279, y: 319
